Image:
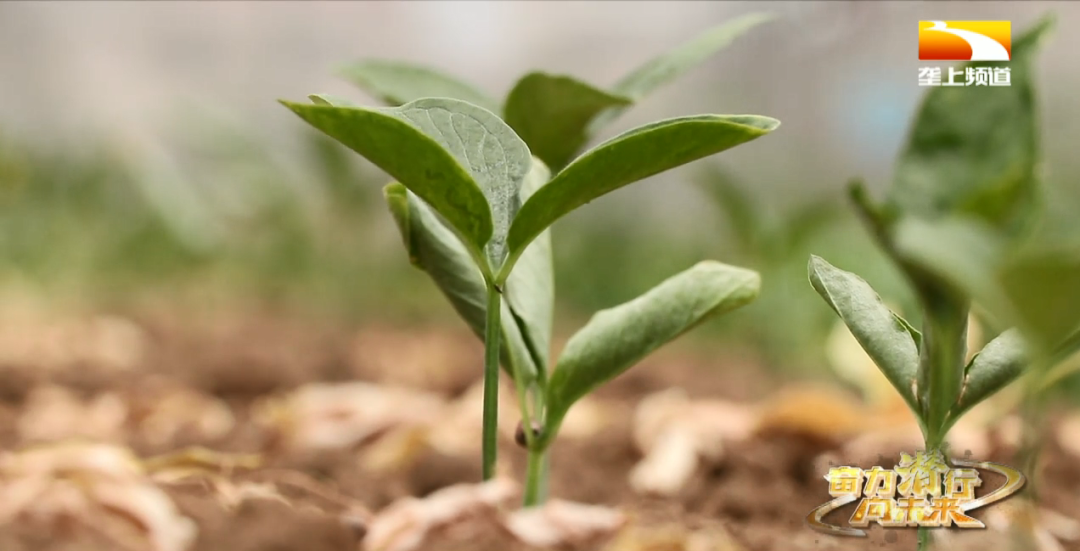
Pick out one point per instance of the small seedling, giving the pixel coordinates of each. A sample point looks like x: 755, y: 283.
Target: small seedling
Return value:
x: 971, y: 159
x: 474, y: 204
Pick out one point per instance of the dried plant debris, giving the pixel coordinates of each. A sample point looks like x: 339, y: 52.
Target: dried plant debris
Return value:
x: 1044, y: 529
x: 237, y: 480
x: 325, y: 416
x: 99, y: 488
x: 1068, y: 434
x: 437, y: 361
x: 456, y: 429
x: 677, y: 435
x: 820, y: 412
x: 104, y: 343
x: 161, y: 416
x: 167, y: 414
x: 463, y: 512
x: 54, y: 413
x: 673, y: 537
x: 562, y: 524
x: 408, y: 524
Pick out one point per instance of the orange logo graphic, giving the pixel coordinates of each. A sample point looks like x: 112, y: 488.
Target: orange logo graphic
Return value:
x: 965, y: 40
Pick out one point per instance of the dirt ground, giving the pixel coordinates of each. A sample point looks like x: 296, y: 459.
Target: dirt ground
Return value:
x: 158, y: 384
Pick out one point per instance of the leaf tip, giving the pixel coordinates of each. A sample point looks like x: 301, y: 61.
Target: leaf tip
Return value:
x: 816, y: 262
x: 761, y: 123
x: 394, y: 190
x: 743, y: 285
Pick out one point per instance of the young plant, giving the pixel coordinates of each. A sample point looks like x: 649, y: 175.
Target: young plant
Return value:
x: 471, y: 204
x: 474, y: 204
x: 971, y: 159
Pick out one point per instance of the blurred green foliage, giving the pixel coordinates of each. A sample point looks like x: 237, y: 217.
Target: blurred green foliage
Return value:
x: 218, y: 217
x: 223, y: 217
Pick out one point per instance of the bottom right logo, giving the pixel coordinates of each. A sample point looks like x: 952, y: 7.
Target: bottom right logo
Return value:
x: 920, y: 491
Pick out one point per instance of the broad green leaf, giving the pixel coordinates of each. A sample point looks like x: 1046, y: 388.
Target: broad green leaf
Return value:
x: 999, y: 363
x: 671, y: 65
x: 617, y: 338
x: 530, y: 289
x: 433, y: 248
x: 974, y: 149
x: 1043, y: 287
x: 487, y: 147
x: 1034, y: 289
x: 398, y: 83
x: 886, y: 339
x: 963, y: 254
x: 445, y: 151
x: 627, y: 158
x: 551, y: 113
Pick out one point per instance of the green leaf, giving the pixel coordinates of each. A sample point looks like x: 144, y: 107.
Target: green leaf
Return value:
x: 332, y: 100
x: 999, y: 363
x: 916, y: 335
x: 433, y: 248
x: 459, y: 158
x: 627, y: 158
x: 1034, y: 288
x: 884, y: 336
x: 530, y: 288
x: 974, y: 149
x: 962, y: 254
x: 398, y: 83
x: 1043, y: 286
x: 617, y: 338
x: 667, y: 67
x: 742, y: 213
x: 1067, y: 348
x: 551, y: 113
x: 876, y: 220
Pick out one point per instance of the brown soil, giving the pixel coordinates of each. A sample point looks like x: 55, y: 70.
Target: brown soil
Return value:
x: 755, y: 500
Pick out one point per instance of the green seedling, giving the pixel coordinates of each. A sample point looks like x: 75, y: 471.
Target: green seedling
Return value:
x: 970, y: 161
x: 474, y: 199
x: 472, y: 203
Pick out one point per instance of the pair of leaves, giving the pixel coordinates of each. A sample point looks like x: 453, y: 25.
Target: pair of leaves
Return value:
x: 479, y: 153
x: 555, y: 114
x: 894, y: 344
x: 460, y: 159
x: 617, y: 338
